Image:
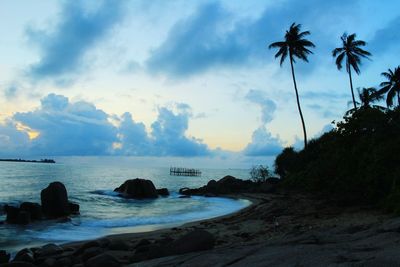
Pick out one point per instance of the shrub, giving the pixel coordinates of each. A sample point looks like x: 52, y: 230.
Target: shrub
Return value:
x: 259, y: 173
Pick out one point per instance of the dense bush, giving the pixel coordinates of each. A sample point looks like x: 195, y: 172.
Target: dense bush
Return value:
x: 260, y: 173
x: 358, y: 162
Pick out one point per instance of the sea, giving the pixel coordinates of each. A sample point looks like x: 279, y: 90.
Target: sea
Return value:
x: 90, y: 182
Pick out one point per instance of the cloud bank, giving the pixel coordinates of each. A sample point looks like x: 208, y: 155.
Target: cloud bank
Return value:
x: 63, y: 128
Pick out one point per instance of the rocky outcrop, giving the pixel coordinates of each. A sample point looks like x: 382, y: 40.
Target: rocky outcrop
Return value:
x: 232, y: 185
x: 55, y: 204
x: 55, y: 200
x: 140, y: 189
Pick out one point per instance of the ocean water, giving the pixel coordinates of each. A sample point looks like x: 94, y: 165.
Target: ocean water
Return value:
x: 90, y: 182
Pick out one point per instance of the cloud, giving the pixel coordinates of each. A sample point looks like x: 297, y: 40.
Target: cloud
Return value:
x: 198, y: 42
x: 133, y: 137
x: 13, y: 142
x: 68, y: 128
x: 63, y: 48
x: 63, y: 128
x: 168, y: 133
x: 386, y: 38
x: 263, y: 144
x: 214, y: 37
x: 268, y: 106
x: 10, y: 91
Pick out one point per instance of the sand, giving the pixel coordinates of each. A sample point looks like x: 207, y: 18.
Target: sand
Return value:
x: 277, y: 230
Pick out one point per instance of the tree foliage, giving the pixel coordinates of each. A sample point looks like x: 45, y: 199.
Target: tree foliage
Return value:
x: 356, y: 163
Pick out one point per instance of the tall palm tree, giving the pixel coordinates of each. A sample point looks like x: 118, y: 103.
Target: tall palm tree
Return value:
x: 353, y: 53
x: 295, y: 46
x: 391, y: 86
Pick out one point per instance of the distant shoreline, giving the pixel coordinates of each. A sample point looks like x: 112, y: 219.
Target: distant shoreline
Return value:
x: 30, y: 161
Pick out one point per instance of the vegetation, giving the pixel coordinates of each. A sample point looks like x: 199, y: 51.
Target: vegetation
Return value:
x: 353, y: 53
x: 260, y: 173
x: 356, y: 163
x: 294, y: 46
x: 391, y: 86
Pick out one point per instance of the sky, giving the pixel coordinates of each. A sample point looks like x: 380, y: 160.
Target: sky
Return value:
x: 185, y: 79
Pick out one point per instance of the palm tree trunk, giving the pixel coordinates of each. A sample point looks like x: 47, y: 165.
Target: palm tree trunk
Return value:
x: 398, y: 99
x: 298, y: 102
x: 351, y: 86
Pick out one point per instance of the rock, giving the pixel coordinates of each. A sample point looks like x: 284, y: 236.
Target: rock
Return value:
x: 34, y: 209
x: 163, y: 192
x: 137, y: 188
x: 103, y: 260
x: 185, y: 191
x: 55, y: 200
x: 17, y: 264
x: 212, y: 186
x: 142, y: 242
x: 184, y: 196
x: 24, y: 255
x: 49, y: 262
x: 118, y: 245
x: 90, y: 244
x: 194, y: 241
x: 12, y: 214
x: 91, y: 252
x: 63, y: 262
x: 4, y: 256
x: 73, y: 207
x: 24, y: 217
x: 48, y: 250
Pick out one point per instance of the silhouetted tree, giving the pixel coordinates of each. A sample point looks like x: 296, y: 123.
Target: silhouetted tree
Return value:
x: 391, y: 86
x: 294, y: 46
x: 368, y: 96
x: 352, y: 52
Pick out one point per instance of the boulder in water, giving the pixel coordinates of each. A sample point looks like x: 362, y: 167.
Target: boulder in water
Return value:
x: 55, y: 200
x: 137, y: 188
x: 34, y: 209
x: 163, y: 192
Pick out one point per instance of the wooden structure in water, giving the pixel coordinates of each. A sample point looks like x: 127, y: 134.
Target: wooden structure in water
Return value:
x: 184, y: 172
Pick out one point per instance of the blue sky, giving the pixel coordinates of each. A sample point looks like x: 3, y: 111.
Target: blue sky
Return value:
x: 177, y: 78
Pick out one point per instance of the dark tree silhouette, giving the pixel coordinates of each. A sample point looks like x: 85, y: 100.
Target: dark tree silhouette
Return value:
x: 294, y: 46
x: 353, y: 53
x: 367, y: 97
x: 391, y: 86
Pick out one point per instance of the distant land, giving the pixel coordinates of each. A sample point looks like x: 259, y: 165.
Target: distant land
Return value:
x: 32, y: 161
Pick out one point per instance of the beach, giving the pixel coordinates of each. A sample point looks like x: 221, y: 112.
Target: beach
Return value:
x: 278, y: 229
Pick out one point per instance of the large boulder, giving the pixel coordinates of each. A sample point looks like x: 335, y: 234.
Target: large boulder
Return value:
x: 137, y: 188
x: 55, y: 200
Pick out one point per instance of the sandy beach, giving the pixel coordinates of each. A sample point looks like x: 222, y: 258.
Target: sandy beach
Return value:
x: 276, y: 230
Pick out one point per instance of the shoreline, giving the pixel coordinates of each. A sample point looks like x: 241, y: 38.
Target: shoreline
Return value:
x: 164, y: 228
x: 276, y: 229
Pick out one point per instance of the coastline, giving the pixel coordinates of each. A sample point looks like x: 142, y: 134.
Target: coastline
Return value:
x: 276, y: 230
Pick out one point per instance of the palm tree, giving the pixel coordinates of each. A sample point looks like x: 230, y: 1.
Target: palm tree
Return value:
x: 368, y: 96
x: 353, y: 53
x: 391, y: 86
x: 295, y: 46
